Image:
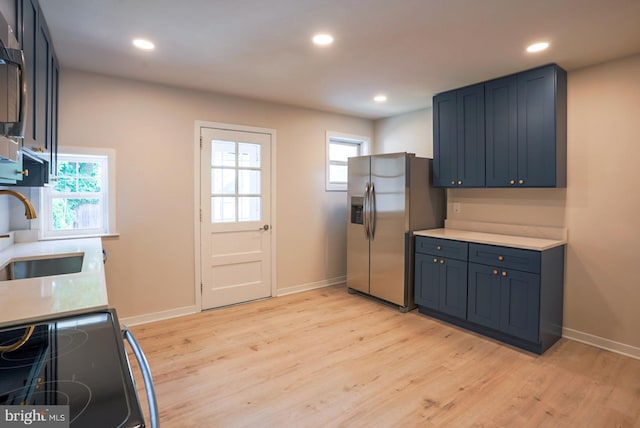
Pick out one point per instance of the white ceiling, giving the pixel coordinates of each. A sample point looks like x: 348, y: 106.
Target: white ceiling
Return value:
x: 407, y: 49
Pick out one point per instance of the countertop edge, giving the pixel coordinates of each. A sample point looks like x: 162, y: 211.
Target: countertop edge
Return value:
x: 47, y: 317
x: 512, y: 241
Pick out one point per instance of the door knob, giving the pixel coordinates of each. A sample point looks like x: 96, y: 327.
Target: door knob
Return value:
x: 265, y: 227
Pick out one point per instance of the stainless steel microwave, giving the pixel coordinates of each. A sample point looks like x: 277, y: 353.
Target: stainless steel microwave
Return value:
x: 13, y: 93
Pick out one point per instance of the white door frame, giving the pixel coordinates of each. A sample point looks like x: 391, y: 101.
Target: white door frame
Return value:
x: 197, y: 203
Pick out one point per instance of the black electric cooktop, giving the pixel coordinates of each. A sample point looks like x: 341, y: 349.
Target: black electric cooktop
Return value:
x: 77, y: 361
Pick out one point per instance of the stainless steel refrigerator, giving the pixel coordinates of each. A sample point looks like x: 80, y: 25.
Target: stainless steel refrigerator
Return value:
x: 389, y: 197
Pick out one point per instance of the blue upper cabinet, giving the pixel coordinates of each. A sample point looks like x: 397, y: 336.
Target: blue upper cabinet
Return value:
x: 42, y: 75
x: 524, y: 132
x: 458, y: 138
x: 542, y: 127
x: 501, y: 108
x: 526, y: 135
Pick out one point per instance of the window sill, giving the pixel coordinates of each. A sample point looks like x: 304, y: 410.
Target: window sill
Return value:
x: 95, y: 235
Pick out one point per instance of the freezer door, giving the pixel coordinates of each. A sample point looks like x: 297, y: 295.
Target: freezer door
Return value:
x: 357, y: 242
x: 390, y: 222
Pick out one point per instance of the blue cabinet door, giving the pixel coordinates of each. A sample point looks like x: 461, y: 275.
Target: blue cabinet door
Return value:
x: 501, y: 112
x: 453, y: 287
x: 458, y: 138
x: 471, y: 138
x: 445, y: 140
x: 520, y: 304
x: 484, y: 295
x: 537, y: 127
x: 505, y: 300
x: 29, y: 39
x: 427, y: 281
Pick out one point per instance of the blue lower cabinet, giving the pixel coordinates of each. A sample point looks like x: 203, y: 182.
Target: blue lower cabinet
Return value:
x: 441, y: 284
x: 519, y: 307
x: 453, y: 287
x: 484, y: 295
x: 427, y: 281
x: 520, y: 304
x: 505, y: 300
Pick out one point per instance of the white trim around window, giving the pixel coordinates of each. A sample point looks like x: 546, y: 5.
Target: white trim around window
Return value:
x: 106, y: 216
x: 344, y: 146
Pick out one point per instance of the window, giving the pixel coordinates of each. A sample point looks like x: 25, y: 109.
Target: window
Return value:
x: 340, y: 147
x: 236, y: 181
x: 81, y: 201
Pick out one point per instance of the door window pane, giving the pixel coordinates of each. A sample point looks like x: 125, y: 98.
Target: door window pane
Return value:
x: 223, y: 209
x: 249, y: 155
x: 248, y: 182
x: 236, y: 172
x: 223, y: 153
x: 249, y: 208
x: 223, y: 181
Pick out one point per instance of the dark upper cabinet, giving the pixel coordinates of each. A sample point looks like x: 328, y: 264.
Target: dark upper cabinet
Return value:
x: 501, y: 110
x: 542, y: 127
x: 459, y: 138
x: 42, y: 90
x: 524, y: 133
x: 526, y: 129
x: 445, y: 139
x: 41, y: 130
x: 28, y: 32
x: 54, y: 85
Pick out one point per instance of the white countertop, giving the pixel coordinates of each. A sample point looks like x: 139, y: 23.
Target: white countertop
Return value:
x: 528, y: 243
x: 34, y: 299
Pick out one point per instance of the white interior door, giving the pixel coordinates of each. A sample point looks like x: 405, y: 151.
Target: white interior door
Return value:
x: 235, y: 225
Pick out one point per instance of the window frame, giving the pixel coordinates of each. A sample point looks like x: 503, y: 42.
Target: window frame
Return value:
x: 333, y: 137
x: 108, y: 195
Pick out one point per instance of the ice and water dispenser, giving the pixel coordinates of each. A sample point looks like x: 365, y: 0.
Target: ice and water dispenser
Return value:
x: 357, y: 205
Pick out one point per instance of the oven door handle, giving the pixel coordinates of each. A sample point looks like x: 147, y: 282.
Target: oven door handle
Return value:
x: 146, y: 375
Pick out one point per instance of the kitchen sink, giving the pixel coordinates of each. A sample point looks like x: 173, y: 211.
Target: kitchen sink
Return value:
x: 37, y: 267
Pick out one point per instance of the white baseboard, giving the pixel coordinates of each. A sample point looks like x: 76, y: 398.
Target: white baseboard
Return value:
x: 310, y: 286
x: 188, y: 310
x: 601, y: 342
x: 159, y: 316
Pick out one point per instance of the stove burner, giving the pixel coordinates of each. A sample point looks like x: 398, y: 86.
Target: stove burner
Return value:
x: 78, y: 361
x: 66, y: 341
x: 77, y: 395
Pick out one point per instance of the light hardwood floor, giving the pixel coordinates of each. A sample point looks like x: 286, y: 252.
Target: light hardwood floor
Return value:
x: 326, y: 358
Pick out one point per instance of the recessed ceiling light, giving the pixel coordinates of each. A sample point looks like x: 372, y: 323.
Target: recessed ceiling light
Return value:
x: 322, y: 39
x: 537, y: 47
x: 143, y: 44
x: 380, y: 98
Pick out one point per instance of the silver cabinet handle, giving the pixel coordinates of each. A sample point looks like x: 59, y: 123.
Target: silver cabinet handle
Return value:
x: 146, y: 375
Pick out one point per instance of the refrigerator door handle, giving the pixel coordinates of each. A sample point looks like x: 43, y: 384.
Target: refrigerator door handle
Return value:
x: 365, y: 210
x: 372, y: 211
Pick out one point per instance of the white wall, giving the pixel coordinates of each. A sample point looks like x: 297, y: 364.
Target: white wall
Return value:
x: 410, y: 132
x: 4, y: 213
x: 599, y: 207
x: 151, y: 127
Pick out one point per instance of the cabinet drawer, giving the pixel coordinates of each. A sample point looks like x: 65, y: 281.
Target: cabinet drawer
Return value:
x: 505, y: 257
x: 442, y: 247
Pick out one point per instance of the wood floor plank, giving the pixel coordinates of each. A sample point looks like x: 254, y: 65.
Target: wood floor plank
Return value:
x: 326, y: 358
